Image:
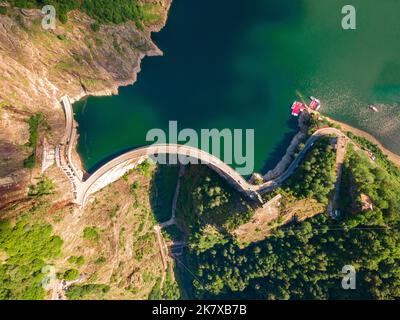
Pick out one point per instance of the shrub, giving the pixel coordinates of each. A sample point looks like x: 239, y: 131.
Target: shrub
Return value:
x: 44, y: 187
x: 63, y: 18
x: 34, y: 123
x: 95, y: 27
x: 91, y: 233
x: 135, y: 186
x: 78, y: 261
x: 155, y: 293
x: 30, y: 162
x: 145, y: 168
x: 76, y: 292
x: 100, y: 260
x: 71, y: 275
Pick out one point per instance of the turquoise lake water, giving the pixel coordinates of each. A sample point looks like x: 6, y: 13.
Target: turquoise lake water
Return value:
x: 240, y: 64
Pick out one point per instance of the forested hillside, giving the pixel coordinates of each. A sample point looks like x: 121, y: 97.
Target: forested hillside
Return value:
x: 304, y: 260
x: 104, y: 11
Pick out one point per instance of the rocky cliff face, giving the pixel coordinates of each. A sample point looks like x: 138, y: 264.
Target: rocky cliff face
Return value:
x: 38, y: 67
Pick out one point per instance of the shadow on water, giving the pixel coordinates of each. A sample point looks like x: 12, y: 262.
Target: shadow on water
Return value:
x: 101, y: 163
x: 210, y: 70
x: 162, y: 191
x: 279, y: 151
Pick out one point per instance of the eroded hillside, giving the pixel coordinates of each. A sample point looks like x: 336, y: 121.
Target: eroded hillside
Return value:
x: 39, y: 66
x: 109, y: 249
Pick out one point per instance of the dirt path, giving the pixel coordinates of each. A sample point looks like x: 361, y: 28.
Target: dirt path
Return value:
x: 161, y: 244
x: 59, y: 287
x: 172, y: 221
x: 340, y: 157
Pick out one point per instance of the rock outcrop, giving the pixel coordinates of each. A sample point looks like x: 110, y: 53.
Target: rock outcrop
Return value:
x: 38, y: 67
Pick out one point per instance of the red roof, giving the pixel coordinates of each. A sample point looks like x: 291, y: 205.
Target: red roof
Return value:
x: 315, y: 105
x: 297, y: 108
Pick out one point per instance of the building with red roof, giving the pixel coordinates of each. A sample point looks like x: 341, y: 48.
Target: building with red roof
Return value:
x: 315, y: 104
x: 297, y: 108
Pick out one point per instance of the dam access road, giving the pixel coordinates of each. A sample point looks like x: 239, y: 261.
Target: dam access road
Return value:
x: 116, y: 168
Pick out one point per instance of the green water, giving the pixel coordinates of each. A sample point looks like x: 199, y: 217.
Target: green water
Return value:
x: 240, y: 64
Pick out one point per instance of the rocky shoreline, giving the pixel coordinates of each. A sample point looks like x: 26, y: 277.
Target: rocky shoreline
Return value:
x: 40, y: 66
x: 291, y: 150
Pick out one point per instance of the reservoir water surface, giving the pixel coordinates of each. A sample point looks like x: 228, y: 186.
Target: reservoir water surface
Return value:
x: 240, y: 64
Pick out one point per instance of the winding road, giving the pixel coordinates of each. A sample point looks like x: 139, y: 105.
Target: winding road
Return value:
x: 114, y: 169
x: 224, y: 170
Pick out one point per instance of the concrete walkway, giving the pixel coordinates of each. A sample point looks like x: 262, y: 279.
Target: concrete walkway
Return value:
x: 115, y: 169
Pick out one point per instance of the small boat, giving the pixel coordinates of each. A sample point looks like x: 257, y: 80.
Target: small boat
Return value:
x: 373, y: 108
x: 315, y: 103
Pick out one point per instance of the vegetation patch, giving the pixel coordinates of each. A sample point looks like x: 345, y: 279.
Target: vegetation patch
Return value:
x: 78, y: 261
x: 303, y: 260
x: 207, y: 237
x: 151, y: 13
x: 377, y: 152
x: 78, y: 292
x: 363, y: 177
x: 146, y: 168
x: 315, y: 177
x: 91, y: 234
x: 29, y: 248
x: 103, y: 11
x: 3, y: 10
x: 34, y: 123
x: 206, y: 199
x: 100, y: 260
x: 169, y: 290
x: 143, y: 246
x: 284, y: 208
x: 44, y: 187
x: 69, y: 275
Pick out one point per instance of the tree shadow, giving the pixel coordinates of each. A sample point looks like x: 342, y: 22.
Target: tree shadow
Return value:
x: 162, y: 191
